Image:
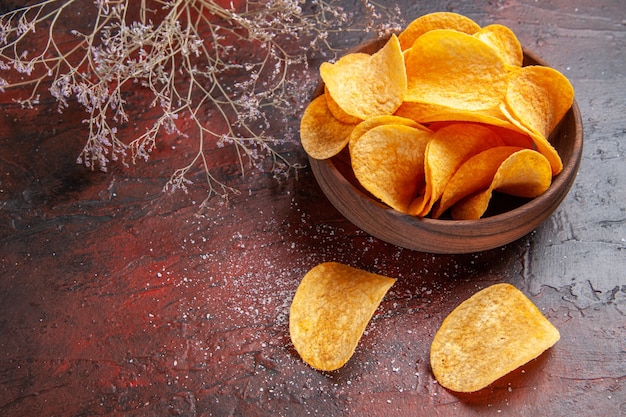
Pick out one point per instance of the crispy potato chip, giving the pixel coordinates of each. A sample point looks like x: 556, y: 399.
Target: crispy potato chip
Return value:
x: 366, y: 87
x: 330, y: 310
x: 504, y: 42
x: 473, y: 175
x: 492, y: 333
x: 511, y: 136
x: 375, y: 121
x: 321, y: 134
x: 526, y: 173
x: 454, y: 69
x: 437, y: 20
x: 427, y: 113
x: 337, y: 111
x: 539, y: 97
x: 536, y: 99
x: 388, y: 161
x: 448, y: 149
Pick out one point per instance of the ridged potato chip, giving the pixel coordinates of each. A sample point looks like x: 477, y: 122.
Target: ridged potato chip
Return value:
x: 492, y: 333
x: 388, y: 161
x: 330, y: 311
x: 371, y: 86
x: 436, y: 20
x: 525, y: 173
x: 321, y: 134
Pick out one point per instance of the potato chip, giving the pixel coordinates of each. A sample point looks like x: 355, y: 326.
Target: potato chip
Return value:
x: 330, y: 311
x: 337, y: 111
x: 371, y: 86
x: 436, y: 20
x: 375, y: 121
x: 388, y: 161
x: 321, y: 134
x: 511, y: 136
x: 526, y: 173
x: 475, y: 174
x: 537, y: 98
x: 454, y: 69
x: 504, y: 42
x: 492, y: 333
x: 448, y: 149
x: 427, y: 113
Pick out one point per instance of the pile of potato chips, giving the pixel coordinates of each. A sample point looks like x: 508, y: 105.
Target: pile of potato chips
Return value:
x: 487, y: 336
x: 440, y: 117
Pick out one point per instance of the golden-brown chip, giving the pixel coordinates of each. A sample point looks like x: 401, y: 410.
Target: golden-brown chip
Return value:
x: 512, y: 136
x: 388, y: 161
x: 504, y: 41
x: 448, y: 149
x: 454, y: 69
x: 321, y: 134
x: 337, y: 111
x: 436, y: 20
x: 492, y: 333
x: 526, y: 173
x: 536, y: 99
x: 475, y: 174
x: 370, y: 86
x: 330, y: 310
x: 428, y: 113
x: 375, y: 121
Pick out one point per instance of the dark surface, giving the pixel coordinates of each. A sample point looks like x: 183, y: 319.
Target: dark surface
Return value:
x: 118, y: 299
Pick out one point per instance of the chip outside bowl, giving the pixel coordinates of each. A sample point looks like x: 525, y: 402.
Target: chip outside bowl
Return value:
x: 446, y: 236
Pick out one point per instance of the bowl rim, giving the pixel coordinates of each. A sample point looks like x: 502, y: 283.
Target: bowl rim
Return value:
x: 482, y: 234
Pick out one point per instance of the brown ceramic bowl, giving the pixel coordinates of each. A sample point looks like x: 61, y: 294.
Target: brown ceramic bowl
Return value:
x: 507, y: 220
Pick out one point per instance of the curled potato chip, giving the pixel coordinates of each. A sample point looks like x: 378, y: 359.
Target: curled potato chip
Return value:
x: 511, y: 136
x: 432, y: 113
x: 436, y: 20
x: 321, y: 134
x: 454, y: 69
x: 388, y: 161
x: 539, y: 97
x: 536, y: 99
x: 473, y: 175
x: 337, y: 111
x: 375, y: 121
x: 370, y: 86
x: 445, y: 152
x: 504, y: 42
x: 492, y: 333
x: 526, y: 173
x: 330, y: 310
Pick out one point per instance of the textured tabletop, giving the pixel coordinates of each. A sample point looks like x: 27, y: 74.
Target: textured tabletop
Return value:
x: 117, y: 298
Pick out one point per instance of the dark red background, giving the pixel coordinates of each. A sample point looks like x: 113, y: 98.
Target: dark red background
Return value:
x: 119, y: 299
